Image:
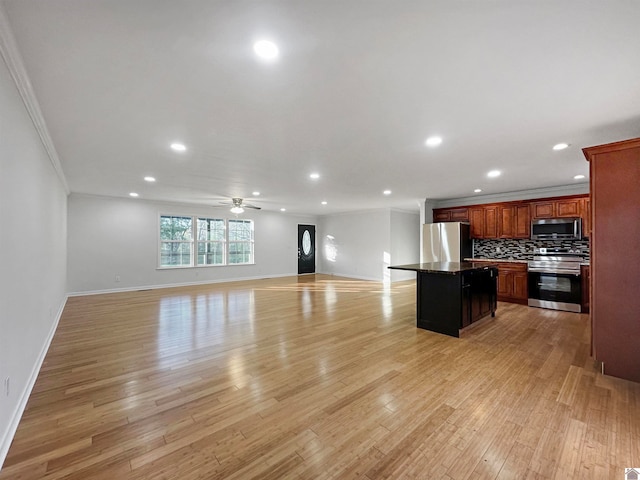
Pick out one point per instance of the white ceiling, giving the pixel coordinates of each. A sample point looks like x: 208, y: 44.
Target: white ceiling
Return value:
x: 358, y: 87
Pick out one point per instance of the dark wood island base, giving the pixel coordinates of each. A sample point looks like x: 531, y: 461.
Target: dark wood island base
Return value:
x: 453, y: 295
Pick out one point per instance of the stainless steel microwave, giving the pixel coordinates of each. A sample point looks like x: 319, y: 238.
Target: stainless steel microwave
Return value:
x: 556, y: 229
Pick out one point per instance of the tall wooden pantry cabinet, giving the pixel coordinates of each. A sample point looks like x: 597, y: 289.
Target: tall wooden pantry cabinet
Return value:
x: 615, y: 256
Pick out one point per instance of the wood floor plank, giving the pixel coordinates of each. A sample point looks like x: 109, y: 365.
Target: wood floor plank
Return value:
x: 317, y: 377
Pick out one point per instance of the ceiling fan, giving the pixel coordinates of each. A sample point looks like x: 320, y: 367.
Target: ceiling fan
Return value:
x: 238, y: 206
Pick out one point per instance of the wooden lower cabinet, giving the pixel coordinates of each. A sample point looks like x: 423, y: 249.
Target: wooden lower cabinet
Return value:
x: 512, y: 282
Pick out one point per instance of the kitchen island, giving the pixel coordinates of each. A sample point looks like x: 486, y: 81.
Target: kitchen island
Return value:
x: 453, y: 295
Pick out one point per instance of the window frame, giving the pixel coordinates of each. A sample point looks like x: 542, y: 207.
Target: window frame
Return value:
x: 161, y: 241
x: 195, y: 242
x: 250, y: 242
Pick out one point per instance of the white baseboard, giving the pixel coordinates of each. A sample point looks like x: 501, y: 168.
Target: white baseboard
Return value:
x: 173, y: 285
x: 7, y: 437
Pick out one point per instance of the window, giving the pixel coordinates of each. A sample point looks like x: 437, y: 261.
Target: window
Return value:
x: 240, y: 241
x: 176, y: 245
x: 211, y: 241
x: 199, y: 241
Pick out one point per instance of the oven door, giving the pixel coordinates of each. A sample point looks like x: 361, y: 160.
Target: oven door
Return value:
x: 559, y: 291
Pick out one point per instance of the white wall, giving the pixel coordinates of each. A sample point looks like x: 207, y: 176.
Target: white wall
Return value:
x: 355, y: 244
x: 363, y: 244
x: 32, y: 254
x: 405, y: 242
x: 118, y: 236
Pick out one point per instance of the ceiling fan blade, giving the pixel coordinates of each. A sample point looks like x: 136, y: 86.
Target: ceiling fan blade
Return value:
x: 239, y: 202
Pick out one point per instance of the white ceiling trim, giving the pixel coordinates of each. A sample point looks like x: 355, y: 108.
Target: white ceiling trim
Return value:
x: 13, y: 60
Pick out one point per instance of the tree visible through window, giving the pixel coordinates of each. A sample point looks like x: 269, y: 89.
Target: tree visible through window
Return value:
x: 199, y: 241
x: 211, y: 241
x: 176, y: 235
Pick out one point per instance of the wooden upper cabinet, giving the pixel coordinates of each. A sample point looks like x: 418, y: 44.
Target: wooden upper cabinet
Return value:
x: 558, y: 207
x: 513, y: 219
x: 571, y: 207
x: 542, y: 209
x: 484, y: 221
x: 451, y: 215
x: 522, y: 223
x: 441, y: 215
x: 476, y: 218
x: 491, y: 222
x: 506, y: 221
x: 460, y: 215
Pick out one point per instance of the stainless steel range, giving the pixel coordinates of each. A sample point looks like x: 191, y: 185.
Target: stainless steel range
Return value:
x: 554, y: 279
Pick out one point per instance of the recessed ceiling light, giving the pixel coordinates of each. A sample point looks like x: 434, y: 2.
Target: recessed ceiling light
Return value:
x: 178, y: 147
x: 266, y: 50
x: 149, y: 179
x: 133, y: 194
x: 579, y: 177
x: 387, y: 192
x: 314, y: 176
x: 560, y: 146
x: 433, y: 141
x: 494, y: 173
x: 477, y: 190
x: 256, y: 194
x: 323, y: 203
x: 283, y: 209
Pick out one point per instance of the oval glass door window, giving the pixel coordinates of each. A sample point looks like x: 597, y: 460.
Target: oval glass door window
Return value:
x: 306, y: 242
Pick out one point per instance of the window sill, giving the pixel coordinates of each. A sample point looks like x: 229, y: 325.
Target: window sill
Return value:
x: 190, y: 267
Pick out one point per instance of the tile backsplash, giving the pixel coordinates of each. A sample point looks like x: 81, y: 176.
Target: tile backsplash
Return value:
x: 522, y: 249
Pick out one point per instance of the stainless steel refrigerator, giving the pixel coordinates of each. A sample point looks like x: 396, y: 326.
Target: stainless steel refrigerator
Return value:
x: 446, y: 242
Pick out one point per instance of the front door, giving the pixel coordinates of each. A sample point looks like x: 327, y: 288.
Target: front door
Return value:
x: 306, y: 249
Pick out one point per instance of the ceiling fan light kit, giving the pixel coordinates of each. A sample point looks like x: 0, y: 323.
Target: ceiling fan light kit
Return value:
x: 238, y: 206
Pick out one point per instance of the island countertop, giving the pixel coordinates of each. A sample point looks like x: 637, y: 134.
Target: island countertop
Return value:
x: 451, y: 268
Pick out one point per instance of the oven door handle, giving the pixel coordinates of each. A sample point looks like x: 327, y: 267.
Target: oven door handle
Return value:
x: 559, y: 271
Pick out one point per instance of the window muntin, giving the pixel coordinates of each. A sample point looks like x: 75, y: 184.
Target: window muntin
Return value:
x: 200, y: 241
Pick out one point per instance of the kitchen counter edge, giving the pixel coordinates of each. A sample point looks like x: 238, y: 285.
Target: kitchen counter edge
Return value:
x: 449, y: 268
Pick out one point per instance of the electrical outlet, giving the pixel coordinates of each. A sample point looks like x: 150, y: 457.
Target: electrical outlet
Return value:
x: 117, y: 278
x: 6, y: 386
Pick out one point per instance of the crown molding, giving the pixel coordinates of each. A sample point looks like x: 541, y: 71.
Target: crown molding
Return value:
x: 12, y: 58
x: 560, y: 190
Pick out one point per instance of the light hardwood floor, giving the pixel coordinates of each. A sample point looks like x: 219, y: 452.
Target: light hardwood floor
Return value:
x: 318, y: 377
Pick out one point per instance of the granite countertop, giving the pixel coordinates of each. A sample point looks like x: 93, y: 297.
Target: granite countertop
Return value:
x: 508, y: 260
x: 451, y: 268
x: 500, y: 260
